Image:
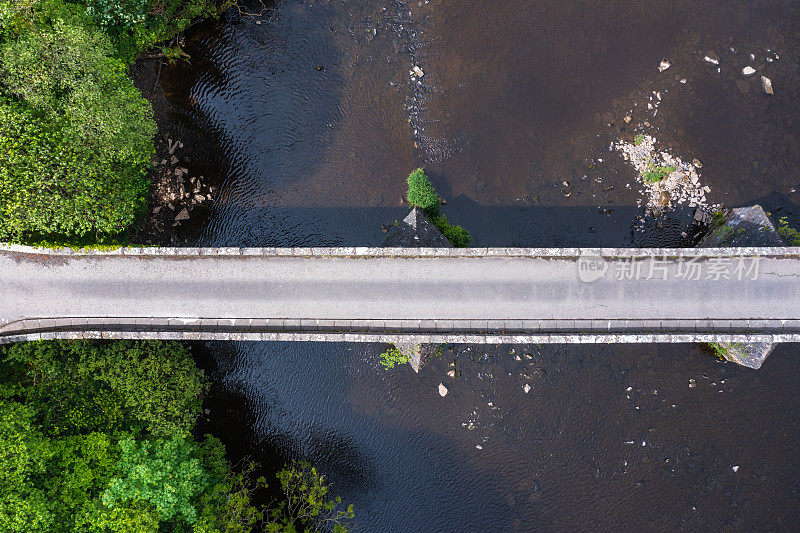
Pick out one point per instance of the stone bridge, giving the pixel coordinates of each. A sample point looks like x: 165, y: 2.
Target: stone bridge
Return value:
x: 408, y: 295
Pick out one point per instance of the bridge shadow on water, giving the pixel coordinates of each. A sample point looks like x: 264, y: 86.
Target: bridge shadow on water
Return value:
x: 524, y: 225
x: 510, y: 226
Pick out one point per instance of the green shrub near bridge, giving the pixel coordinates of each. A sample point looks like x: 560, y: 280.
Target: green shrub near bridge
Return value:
x: 423, y: 195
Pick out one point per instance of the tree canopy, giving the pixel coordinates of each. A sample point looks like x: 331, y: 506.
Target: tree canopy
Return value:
x: 99, y: 436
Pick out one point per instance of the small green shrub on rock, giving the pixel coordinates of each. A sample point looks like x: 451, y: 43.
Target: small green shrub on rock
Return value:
x: 458, y: 236
x: 392, y: 357
x: 656, y: 173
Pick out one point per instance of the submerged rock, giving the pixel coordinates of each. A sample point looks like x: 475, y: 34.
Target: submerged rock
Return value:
x: 766, y: 84
x: 442, y: 390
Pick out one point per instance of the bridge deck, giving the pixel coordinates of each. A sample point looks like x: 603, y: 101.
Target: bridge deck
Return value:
x: 423, y: 295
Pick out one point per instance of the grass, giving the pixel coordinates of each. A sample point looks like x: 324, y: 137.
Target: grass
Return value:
x: 719, y: 350
x: 656, y: 173
x: 723, y: 351
x: 724, y: 233
x: 791, y: 235
x: 638, y: 140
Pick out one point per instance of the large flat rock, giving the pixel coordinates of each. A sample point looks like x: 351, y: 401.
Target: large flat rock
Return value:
x: 745, y: 226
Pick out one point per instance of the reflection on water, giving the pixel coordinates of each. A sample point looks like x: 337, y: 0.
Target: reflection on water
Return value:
x: 606, y: 437
x: 309, y: 119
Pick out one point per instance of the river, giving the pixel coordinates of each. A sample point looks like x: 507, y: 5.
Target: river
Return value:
x: 308, y: 117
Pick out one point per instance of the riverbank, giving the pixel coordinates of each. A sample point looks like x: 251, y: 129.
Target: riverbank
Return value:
x: 176, y: 194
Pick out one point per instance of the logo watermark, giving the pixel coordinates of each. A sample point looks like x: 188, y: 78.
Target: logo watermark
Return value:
x: 592, y: 267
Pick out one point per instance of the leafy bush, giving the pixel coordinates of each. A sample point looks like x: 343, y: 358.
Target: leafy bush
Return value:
x: 78, y: 137
x: 96, y: 437
x: 163, y: 21
x: 76, y: 387
x: 165, y: 473
x: 421, y: 193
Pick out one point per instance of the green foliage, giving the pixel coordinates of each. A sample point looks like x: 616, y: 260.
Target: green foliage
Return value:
x: 724, y: 233
x: 421, y: 193
x: 307, y: 505
x: 96, y: 437
x: 121, y: 386
x: 638, y: 140
x: 790, y: 234
x: 164, y: 20
x: 718, y: 218
x: 719, y: 350
x: 77, y: 137
x: 457, y: 235
x: 392, y: 357
x: 656, y: 173
x: 165, y: 473
x: 24, y: 453
x: 729, y: 349
x: 227, y: 506
x: 117, y: 15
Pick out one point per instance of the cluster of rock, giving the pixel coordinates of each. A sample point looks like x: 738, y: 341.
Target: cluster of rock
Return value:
x: 175, y: 194
x: 681, y: 186
x: 743, y: 71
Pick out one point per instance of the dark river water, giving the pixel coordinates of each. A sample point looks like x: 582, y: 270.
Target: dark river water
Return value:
x: 308, y: 119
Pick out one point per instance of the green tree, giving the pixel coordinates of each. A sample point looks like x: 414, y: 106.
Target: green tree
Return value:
x: 24, y: 453
x: 119, y: 386
x: 421, y: 193
x: 77, y: 135
x: 307, y: 505
x: 165, y: 473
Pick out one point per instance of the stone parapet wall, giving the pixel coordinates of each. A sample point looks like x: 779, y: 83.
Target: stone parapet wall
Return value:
x: 365, y: 252
x: 410, y: 331
x: 577, y: 338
